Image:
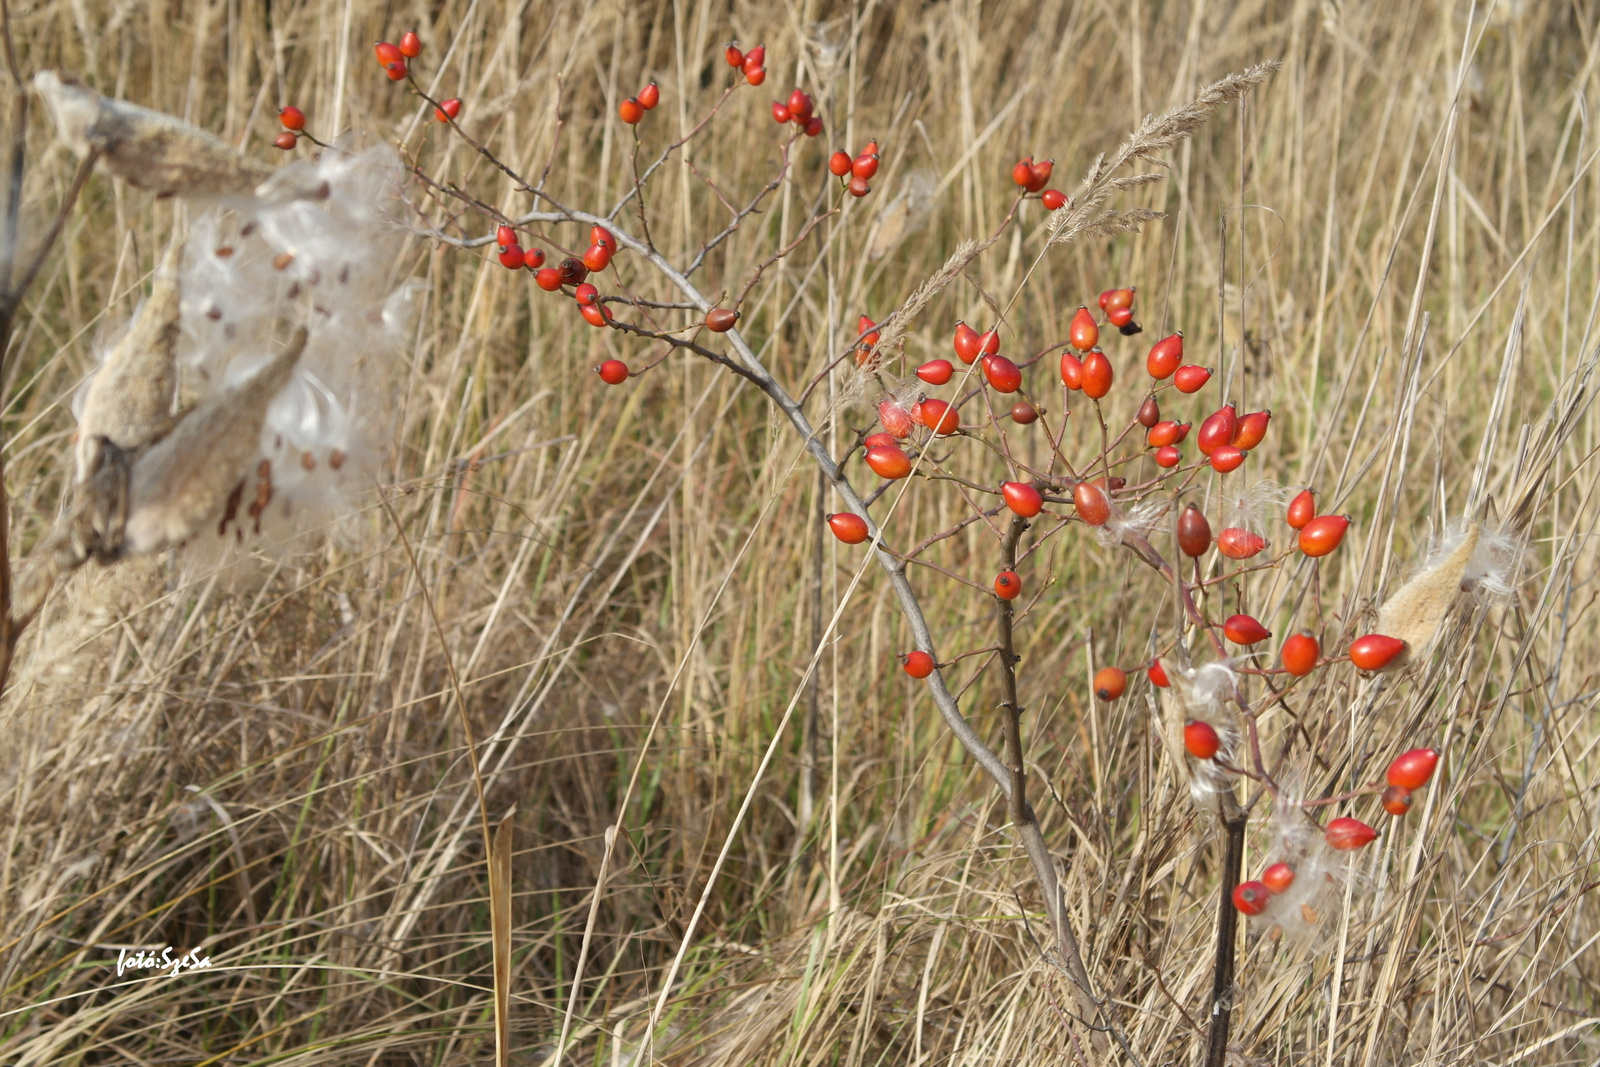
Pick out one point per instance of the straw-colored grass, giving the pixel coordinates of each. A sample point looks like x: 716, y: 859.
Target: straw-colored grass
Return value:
x: 268, y: 763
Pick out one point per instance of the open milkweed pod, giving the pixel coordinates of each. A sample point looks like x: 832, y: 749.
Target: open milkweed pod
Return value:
x: 1413, y: 614
x: 198, y: 472
x: 128, y: 401
x: 146, y: 148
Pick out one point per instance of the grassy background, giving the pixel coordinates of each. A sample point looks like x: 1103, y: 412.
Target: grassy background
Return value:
x: 268, y: 761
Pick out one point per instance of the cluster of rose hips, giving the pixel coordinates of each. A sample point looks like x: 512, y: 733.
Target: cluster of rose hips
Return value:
x: 632, y: 109
x: 1224, y: 437
x: 1410, y: 770
x: 573, y: 272
x: 855, y: 171
x: 800, y: 110
x: 749, y: 62
x: 294, y: 124
x: 392, y: 57
x: 1033, y: 177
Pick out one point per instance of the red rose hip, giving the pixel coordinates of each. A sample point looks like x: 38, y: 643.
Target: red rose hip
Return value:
x: 1164, y: 358
x: 1413, y: 770
x: 918, y: 663
x: 1347, y: 835
x: 1251, y: 898
x: 1397, y: 800
x: 1244, y: 630
x: 1110, y: 683
x: 1374, y: 652
x: 848, y: 527
x: 1200, y: 740
x: 1300, y: 654
x: 1302, y: 509
x: 1191, y: 379
x: 1278, y: 877
x: 1322, y: 534
x: 1022, y: 498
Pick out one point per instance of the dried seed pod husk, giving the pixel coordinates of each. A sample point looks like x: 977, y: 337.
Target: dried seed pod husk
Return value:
x: 177, y: 486
x: 1415, y: 611
x: 146, y: 148
x: 129, y: 400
